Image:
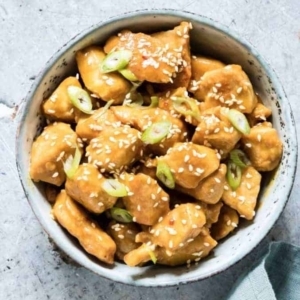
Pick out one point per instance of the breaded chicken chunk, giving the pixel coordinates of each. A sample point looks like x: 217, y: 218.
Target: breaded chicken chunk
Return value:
x: 124, y: 237
x: 91, y: 127
x: 86, y: 187
x: 108, y: 86
x: 143, y: 118
x: 56, y: 143
x: 244, y: 198
x: 216, y: 131
x: 179, y: 227
x: 158, y: 58
x: 209, y: 189
x: 190, y: 163
x: 227, y: 222
x: 212, y: 212
x: 263, y: 147
x: 76, y: 221
x: 230, y: 87
x: 58, y: 106
x: 146, y: 200
x: 259, y: 114
x: 201, y: 65
x: 115, y: 149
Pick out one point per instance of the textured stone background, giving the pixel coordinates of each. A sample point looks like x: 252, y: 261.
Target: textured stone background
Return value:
x: 30, y: 32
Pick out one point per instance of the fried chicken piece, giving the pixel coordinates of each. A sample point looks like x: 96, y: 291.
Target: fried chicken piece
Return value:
x: 146, y: 200
x: 75, y: 220
x: 91, y: 127
x: 86, y: 187
x: 194, y: 251
x: 59, y: 107
x: 259, y: 114
x: 190, y: 163
x: 229, y: 87
x: 179, y: 227
x: 157, y: 58
x: 56, y: 143
x: 201, y: 65
x: 216, y: 131
x: 212, y: 212
x: 263, y: 147
x: 227, y: 222
x: 124, y: 237
x: 107, y: 86
x: 115, y: 149
x: 210, y: 189
x: 244, y: 198
x: 141, y: 119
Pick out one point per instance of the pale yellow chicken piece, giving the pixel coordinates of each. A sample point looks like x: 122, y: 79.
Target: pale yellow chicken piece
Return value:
x: 91, y: 127
x: 201, y: 65
x: 56, y: 143
x: 141, y: 119
x: 178, y: 40
x: 86, y: 187
x: 210, y: 189
x: 259, y: 114
x: 115, y: 149
x: 154, y: 59
x: 190, y: 163
x: 216, y: 131
x: 179, y: 227
x: 146, y: 200
x: 58, y: 106
x: 167, y: 102
x: 230, y: 87
x: 244, y: 198
x: 212, y: 212
x: 194, y: 251
x: 76, y: 221
x: 263, y: 147
x: 107, y: 86
x: 124, y: 237
x: 227, y: 222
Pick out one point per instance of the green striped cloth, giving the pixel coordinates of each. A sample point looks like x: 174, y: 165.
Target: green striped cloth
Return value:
x: 275, y: 277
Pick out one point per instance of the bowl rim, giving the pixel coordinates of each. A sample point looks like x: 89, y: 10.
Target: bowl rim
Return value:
x: 207, y: 21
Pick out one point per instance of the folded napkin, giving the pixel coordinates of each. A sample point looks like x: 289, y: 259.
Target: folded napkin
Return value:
x: 274, y: 277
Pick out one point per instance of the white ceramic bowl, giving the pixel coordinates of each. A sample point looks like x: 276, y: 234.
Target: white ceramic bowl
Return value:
x: 209, y: 38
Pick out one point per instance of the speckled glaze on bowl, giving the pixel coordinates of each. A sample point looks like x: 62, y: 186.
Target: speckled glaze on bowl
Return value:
x: 208, y: 38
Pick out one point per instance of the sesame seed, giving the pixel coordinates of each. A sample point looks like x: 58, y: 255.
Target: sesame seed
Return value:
x: 183, y: 221
x: 198, y: 207
x: 134, y: 219
x: 153, y: 196
x: 171, y: 244
x: 139, y: 208
x: 190, y: 240
x: 248, y: 145
x: 164, y: 198
x: 217, y: 180
x: 130, y: 193
x: 239, y: 90
x: 194, y: 226
x: 191, y: 168
x: 55, y: 174
x: 259, y: 137
x: 100, y: 204
x: 233, y: 224
x: 186, y: 158
x: 121, y: 236
x: 242, y: 198
x: 155, y: 204
x: 228, y: 223
x: 206, y: 244
x: 93, y: 225
x: 214, y: 89
x: 160, y: 219
x: 249, y: 186
x: 226, y: 188
x: 248, y: 175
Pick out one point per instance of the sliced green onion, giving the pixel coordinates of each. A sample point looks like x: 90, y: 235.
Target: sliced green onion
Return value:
x: 164, y: 174
x: 233, y: 175
x: 186, y: 107
x: 156, y: 132
x: 72, y: 163
x: 239, y: 121
x: 80, y: 99
x: 154, y: 101
x: 239, y: 158
x: 152, y: 255
x: 114, y: 188
x: 120, y: 215
x: 128, y: 75
x: 116, y: 61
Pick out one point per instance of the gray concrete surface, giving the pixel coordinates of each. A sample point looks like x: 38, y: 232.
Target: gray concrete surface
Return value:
x: 30, y: 32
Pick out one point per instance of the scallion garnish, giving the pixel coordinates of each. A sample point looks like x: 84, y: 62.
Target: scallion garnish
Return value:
x: 116, y: 61
x: 164, y: 174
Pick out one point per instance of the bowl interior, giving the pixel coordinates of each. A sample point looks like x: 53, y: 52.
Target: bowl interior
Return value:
x: 206, y: 38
